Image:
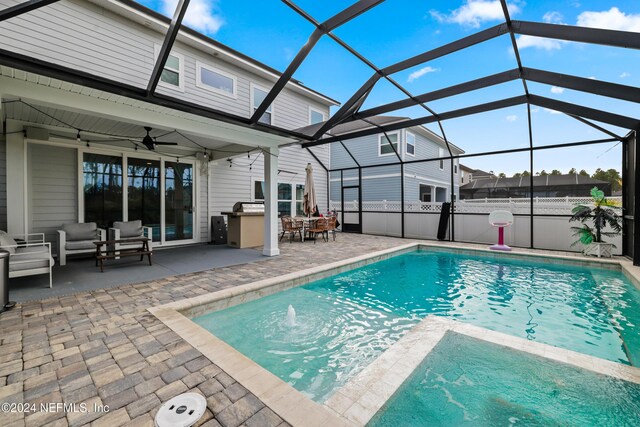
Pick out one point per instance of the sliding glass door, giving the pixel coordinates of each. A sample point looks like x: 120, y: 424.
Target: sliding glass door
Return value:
x: 178, y: 204
x: 143, y: 193
x: 157, y: 192
x: 102, y: 186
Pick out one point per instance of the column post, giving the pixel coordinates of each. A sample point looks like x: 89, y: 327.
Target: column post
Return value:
x: 16, y: 169
x: 271, y: 202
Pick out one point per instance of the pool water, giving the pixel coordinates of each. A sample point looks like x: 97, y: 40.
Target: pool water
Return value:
x: 345, y: 321
x: 467, y: 382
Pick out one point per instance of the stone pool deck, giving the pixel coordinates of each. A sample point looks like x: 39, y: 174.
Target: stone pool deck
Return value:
x: 105, y: 348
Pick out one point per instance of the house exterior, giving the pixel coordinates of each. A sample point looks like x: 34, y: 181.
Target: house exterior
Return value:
x: 426, y: 181
x: 73, y: 154
x: 568, y: 185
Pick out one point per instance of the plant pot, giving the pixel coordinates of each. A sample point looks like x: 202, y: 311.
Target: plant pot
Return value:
x: 601, y: 250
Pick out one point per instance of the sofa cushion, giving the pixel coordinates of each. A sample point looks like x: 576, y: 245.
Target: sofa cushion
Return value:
x: 7, y: 243
x: 80, y: 245
x: 129, y: 228
x: 29, y: 261
x: 32, y: 249
x: 82, y: 231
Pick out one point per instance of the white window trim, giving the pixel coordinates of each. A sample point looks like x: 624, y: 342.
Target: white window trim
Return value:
x: 200, y: 84
x: 407, y: 144
x: 380, y: 139
x: 441, y: 162
x: 252, y: 87
x: 312, y: 109
x: 180, y: 87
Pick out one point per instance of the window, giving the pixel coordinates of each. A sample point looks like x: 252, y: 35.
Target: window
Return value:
x: 287, y: 204
x: 441, y: 154
x: 215, y: 80
x: 386, y: 149
x: 315, y: 116
x: 172, y: 75
x: 411, y: 144
x: 257, y: 96
x: 455, y: 167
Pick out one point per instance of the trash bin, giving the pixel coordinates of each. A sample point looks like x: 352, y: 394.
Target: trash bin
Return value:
x: 5, y: 304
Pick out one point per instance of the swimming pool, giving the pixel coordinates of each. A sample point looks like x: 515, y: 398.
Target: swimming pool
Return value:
x: 345, y: 321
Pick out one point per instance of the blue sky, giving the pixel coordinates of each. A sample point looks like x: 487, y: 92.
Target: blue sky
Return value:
x: 397, y: 29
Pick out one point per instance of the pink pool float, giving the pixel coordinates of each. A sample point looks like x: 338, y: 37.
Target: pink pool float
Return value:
x: 500, y: 219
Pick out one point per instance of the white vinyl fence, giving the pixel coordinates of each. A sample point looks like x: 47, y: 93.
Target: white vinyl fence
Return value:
x: 552, y: 229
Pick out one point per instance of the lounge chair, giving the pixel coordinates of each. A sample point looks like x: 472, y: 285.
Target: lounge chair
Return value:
x: 77, y: 239
x: 31, y: 256
x: 125, y: 230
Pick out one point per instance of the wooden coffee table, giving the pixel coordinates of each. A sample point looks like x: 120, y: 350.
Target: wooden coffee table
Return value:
x: 103, y: 252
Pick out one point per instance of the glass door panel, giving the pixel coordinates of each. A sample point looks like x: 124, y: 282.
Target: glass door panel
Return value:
x: 144, y: 193
x: 102, y: 187
x: 178, y: 195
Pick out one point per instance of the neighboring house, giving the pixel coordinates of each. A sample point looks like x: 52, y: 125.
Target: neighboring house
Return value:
x: 64, y: 169
x: 572, y: 185
x: 427, y: 181
x: 468, y: 174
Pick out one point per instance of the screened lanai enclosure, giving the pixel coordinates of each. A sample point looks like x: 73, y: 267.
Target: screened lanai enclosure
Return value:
x: 501, y: 121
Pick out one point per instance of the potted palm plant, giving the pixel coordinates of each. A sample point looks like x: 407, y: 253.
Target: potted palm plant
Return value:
x: 602, y: 213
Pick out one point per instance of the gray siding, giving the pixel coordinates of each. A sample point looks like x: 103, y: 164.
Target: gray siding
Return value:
x: 3, y: 184
x: 84, y: 36
x: 53, y: 190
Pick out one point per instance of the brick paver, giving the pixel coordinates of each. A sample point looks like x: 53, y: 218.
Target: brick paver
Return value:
x: 104, y: 348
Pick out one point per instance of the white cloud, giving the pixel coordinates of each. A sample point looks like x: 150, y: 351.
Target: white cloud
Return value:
x: 556, y: 89
x: 550, y: 111
x: 553, y: 17
x: 511, y: 118
x: 526, y: 41
x: 202, y: 15
x: 535, y: 110
x: 624, y: 75
x: 475, y: 12
x: 592, y: 77
x: 421, y: 72
x: 612, y: 19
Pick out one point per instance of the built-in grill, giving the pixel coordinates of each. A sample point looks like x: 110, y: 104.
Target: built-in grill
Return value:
x: 246, y: 225
x: 248, y: 207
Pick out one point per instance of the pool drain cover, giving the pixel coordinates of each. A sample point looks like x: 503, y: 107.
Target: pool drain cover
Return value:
x: 183, y: 410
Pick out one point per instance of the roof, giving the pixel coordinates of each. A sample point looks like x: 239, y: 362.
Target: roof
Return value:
x: 370, y: 122
x: 538, y: 181
x: 130, y: 4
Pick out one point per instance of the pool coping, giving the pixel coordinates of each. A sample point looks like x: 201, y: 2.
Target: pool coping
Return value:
x: 295, y: 407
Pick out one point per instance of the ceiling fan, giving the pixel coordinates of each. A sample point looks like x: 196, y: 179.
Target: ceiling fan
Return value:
x: 151, y: 143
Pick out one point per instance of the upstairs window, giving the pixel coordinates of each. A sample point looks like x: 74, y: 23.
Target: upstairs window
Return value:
x: 315, y: 116
x: 411, y: 144
x: 215, y: 80
x: 257, y: 96
x: 441, y: 154
x: 172, y: 75
x: 384, y: 147
x: 455, y: 167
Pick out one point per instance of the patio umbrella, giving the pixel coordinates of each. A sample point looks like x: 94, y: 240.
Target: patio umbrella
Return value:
x: 310, y: 205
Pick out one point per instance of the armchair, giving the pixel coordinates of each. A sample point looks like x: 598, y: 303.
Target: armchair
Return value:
x: 123, y: 230
x: 78, y: 238
x: 29, y: 258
